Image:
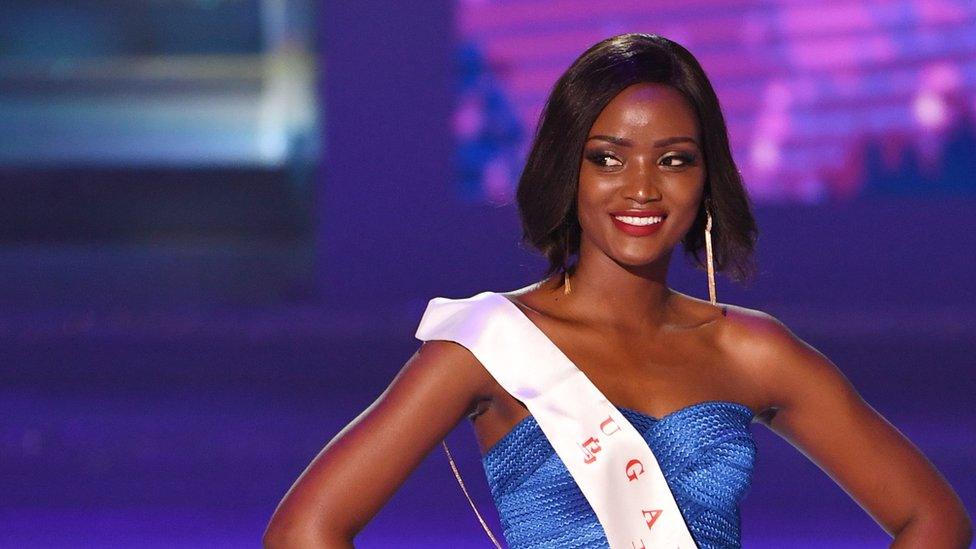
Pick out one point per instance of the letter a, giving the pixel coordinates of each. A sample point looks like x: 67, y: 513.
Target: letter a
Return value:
x: 651, y: 517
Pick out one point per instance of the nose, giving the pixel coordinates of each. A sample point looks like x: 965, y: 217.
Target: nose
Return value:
x: 643, y: 186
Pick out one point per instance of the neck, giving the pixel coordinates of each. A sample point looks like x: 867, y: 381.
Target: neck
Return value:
x: 618, y: 295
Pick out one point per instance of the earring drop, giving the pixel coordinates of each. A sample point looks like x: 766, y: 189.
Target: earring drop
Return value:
x: 708, y: 254
x: 566, y: 288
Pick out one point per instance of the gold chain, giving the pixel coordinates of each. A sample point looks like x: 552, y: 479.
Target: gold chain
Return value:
x: 457, y: 475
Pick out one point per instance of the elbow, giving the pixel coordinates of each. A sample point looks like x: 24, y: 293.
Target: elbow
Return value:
x: 949, y: 529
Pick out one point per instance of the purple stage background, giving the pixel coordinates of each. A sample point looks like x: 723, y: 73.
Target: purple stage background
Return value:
x: 183, y: 331
x: 811, y: 92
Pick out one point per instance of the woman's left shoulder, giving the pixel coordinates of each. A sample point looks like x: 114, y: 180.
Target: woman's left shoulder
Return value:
x: 759, y: 344
x: 745, y: 330
x: 748, y: 335
x: 772, y: 356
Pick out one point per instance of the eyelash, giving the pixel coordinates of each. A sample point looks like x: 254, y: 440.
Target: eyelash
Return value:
x: 596, y: 158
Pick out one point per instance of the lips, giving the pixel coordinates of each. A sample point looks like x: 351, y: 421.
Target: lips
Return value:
x: 634, y: 227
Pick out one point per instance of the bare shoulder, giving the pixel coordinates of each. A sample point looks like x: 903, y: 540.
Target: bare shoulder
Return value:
x: 762, y: 338
x: 750, y: 327
x: 781, y: 366
x: 742, y: 333
x: 451, y: 367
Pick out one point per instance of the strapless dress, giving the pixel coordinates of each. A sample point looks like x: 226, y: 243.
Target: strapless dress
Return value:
x: 706, y: 452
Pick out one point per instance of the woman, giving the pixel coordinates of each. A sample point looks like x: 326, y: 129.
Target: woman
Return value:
x: 631, y: 158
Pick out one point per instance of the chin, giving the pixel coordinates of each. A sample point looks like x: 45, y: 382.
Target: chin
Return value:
x: 636, y: 260
x: 639, y: 255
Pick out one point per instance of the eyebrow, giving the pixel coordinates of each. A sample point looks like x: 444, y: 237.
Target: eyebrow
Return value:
x: 659, y: 143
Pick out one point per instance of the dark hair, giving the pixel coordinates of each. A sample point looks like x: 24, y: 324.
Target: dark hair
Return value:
x: 547, y: 189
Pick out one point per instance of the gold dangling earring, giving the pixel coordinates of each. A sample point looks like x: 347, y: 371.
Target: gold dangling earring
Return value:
x: 708, y: 253
x: 566, y: 288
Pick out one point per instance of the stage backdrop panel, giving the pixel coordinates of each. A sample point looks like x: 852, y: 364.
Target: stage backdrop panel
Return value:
x: 824, y: 101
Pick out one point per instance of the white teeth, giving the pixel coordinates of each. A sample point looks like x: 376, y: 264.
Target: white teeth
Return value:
x: 639, y: 221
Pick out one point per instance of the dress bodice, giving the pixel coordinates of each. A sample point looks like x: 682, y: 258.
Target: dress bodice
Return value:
x: 705, y: 450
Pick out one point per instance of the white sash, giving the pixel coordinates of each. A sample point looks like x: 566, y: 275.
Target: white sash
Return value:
x: 607, y: 457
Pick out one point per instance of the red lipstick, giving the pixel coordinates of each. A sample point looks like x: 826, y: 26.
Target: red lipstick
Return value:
x: 638, y: 230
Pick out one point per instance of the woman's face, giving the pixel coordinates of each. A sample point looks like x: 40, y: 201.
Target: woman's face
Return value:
x: 642, y: 157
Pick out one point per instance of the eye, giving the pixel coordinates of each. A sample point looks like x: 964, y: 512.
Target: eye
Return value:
x: 683, y: 159
x: 603, y: 159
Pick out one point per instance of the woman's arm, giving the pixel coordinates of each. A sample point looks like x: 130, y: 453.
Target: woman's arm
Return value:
x: 358, y: 471
x: 817, y: 410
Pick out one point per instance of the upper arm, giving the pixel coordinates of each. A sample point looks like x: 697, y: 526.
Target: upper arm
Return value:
x: 354, y: 475
x: 816, y: 408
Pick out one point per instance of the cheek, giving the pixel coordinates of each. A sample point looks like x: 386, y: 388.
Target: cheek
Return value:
x: 592, y: 201
x: 686, y: 192
x: 691, y: 203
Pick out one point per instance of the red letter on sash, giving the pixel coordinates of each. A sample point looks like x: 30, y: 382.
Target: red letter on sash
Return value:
x: 590, y: 447
x: 634, y: 469
x: 651, y: 517
x: 612, y: 423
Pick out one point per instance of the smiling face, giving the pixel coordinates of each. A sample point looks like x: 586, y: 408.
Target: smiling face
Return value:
x: 642, y: 156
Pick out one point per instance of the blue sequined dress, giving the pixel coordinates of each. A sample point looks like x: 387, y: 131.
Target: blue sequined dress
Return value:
x: 705, y: 451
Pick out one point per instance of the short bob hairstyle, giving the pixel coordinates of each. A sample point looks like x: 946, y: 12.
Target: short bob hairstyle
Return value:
x: 548, y: 186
